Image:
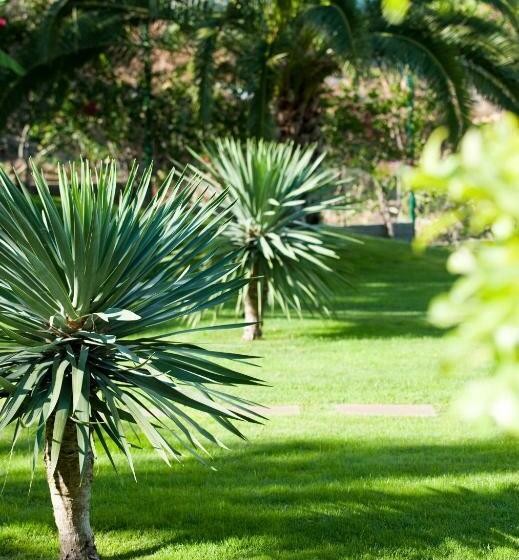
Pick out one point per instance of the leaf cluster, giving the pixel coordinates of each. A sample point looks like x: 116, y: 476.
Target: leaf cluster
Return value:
x: 276, y: 188
x: 482, y: 182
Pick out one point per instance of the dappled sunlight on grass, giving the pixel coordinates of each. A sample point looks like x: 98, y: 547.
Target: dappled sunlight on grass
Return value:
x: 288, y: 498
x: 318, y: 486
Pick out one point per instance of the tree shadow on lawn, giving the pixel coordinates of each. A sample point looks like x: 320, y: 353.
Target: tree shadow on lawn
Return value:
x: 389, y: 297
x: 366, y: 326
x: 381, y: 310
x: 311, y: 499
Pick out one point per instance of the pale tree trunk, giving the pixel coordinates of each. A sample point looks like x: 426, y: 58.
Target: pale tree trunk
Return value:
x: 252, y: 309
x: 70, y: 497
x: 384, y: 210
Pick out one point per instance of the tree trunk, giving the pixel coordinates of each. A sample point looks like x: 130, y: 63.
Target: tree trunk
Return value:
x: 299, y: 120
x: 384, y: 209
x: 70, y: 496
x: 251, y: 308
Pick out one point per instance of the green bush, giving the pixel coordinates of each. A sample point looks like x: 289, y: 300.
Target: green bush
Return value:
x: 482, y: 181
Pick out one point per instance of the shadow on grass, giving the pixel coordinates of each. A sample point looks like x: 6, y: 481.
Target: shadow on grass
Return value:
x: 373, y: 312
x: 11, y: 550
x: 388, y: 297
x: 361, y: 326
x: 379, y: 311
x: 391, y: 297
x: 338, y: 498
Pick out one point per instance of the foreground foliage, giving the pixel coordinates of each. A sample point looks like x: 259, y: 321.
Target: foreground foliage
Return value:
x: 82, y: 284
x: 279, y: 189
x: 482, y: 180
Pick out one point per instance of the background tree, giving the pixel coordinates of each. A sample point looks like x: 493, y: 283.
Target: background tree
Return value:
x: 291, y: 263
x: 83, y: 284
x: 78, y: 44
x: 165, y: 76
x: 286, y: 51
x: 372, y: 126
x: 268, y: 68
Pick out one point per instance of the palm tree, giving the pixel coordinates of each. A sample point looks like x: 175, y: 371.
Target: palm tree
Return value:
x: 456, y: 54
x: 286, y: 53
x: 300, y: 85
x: 58, y: 46
x: 291, y: 263
x: 73, y: 32
x: 86, y: 283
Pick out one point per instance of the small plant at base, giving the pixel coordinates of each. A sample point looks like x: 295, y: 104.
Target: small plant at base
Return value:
x: 275, y: 188
x: 83, y: 283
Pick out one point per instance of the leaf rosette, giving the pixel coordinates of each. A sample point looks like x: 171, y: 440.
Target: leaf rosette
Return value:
x: 86, y: 283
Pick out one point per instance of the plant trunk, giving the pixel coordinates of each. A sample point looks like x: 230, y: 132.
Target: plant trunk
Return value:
x: 252, y: 309
x: 384, y: 210
x: 299, y: 120
x: 70, y: 496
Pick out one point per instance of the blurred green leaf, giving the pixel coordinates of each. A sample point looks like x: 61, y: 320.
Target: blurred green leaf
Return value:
x: 482, y: 183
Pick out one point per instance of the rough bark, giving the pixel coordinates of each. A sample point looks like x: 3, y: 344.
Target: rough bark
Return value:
x: 299, y: 120
x: 70, y: 497
x: 252, y: 311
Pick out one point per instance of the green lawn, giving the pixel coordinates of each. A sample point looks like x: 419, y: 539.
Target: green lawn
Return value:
x: 317, y: 486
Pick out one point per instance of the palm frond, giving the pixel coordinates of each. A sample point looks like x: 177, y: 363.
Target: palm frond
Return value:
x: 76, y: 43
x: 433, y: 59
x: 508, y: 8
x: 342, y: 24
x: 73, y: 32
x: 490, y: 59
x: 455, y: 52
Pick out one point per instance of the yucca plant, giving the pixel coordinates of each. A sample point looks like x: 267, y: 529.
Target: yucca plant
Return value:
x: 291, y: 263
x: 83, y: 282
